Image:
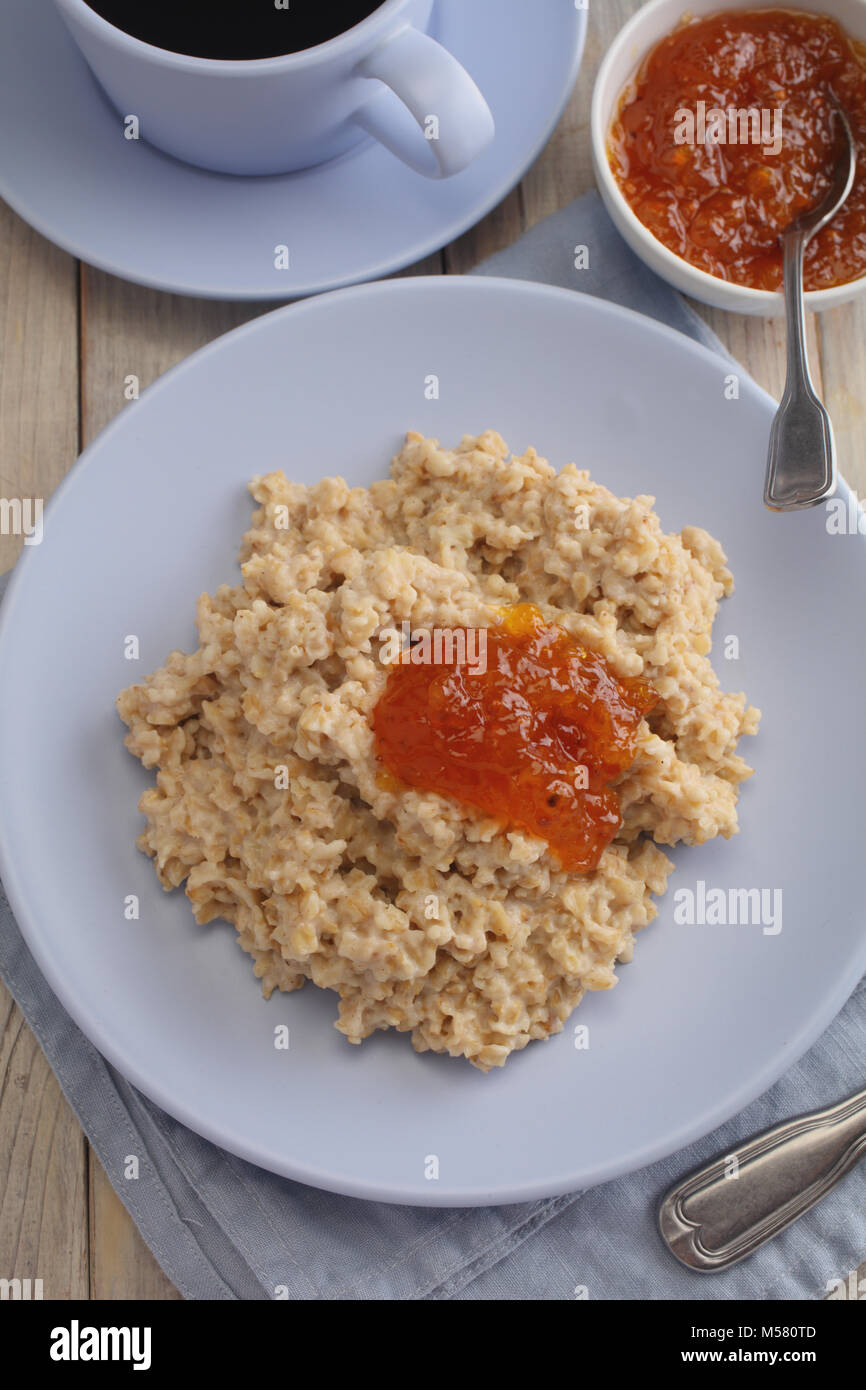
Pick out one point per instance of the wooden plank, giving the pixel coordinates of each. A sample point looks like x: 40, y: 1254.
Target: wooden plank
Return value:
x: 38, y: 368
x: 43, y: 1159
x: 121, y: 1266
x: 43, y: 1168
x: 499, y: 229
x: 564, y: 170
x: 760, y: 345
x: 842, y: 352
x: 431, y: 265
x: 130, y: 331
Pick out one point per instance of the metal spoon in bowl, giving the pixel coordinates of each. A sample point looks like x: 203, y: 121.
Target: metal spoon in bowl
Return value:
x: 801, y: 465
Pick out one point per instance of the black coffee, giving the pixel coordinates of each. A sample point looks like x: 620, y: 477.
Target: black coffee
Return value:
x: 234, y: 29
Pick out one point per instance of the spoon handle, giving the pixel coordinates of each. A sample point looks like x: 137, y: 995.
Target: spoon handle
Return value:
x: 801, y: 464
x: 725, y: 1211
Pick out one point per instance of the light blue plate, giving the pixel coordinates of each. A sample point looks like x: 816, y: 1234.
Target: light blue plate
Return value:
x: 705, y: 1017
x: 129, y: 209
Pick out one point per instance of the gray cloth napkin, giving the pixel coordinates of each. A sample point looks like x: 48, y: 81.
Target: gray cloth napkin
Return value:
x: 223, y: 1229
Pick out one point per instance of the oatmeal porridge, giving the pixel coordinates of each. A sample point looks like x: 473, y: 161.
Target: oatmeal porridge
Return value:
x: 424, y: 912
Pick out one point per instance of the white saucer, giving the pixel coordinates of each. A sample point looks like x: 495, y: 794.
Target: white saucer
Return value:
x: 121, y: 205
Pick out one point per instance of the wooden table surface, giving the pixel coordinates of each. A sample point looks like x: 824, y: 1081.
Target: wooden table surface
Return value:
x: 69, y: 336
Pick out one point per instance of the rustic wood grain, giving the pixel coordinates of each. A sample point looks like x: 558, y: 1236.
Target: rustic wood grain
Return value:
x: 38, y: 367
x: 760, y: 345
x: 65, y: 358
x: 43, y: 1157
x: 43, y: 1168
x: 128, y: 330
x: 121, y: 1266
x: 842, y: 350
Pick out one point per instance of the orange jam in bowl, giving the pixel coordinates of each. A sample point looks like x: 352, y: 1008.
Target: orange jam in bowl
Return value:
x: 533, y: 734
x: 726, y: 135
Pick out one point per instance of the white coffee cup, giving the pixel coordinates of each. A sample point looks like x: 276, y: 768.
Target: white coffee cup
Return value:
x: 384, y: 77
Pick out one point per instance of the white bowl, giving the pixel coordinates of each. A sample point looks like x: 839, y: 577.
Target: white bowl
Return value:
x: 625, y: 55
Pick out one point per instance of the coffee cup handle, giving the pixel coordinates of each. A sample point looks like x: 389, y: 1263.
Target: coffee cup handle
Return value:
x: 441, y: 122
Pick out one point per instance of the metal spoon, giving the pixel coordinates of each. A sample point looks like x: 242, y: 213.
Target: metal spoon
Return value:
x: 801, y: 465
x: 726, y: 1210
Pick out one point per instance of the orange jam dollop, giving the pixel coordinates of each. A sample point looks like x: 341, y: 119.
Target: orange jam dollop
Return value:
x: 533, y: 733
x: 721, y: 205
